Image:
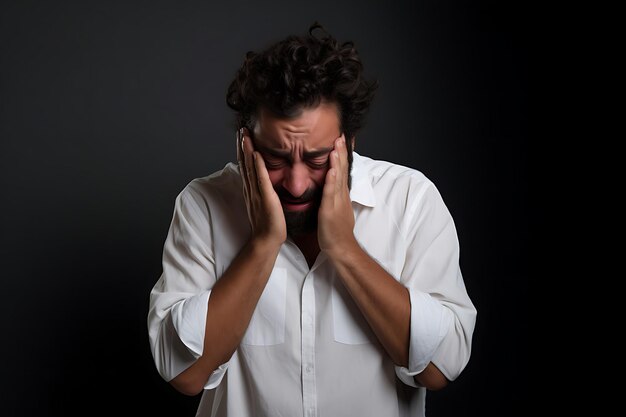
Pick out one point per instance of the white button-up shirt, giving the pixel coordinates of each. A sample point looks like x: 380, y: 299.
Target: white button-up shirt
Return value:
x: 308, y: 350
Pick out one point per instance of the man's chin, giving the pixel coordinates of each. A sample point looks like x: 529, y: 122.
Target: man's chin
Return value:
x: 301, y: 221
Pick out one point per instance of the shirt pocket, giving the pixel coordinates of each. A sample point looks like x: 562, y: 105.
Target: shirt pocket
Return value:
x: 349, y: 325
x: 267, y: 326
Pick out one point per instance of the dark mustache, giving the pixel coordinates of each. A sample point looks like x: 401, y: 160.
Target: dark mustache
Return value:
x: 308, y: 195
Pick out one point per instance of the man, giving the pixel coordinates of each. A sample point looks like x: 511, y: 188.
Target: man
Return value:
x: 308, y: 280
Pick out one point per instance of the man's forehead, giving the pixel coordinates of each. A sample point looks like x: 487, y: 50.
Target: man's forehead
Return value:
x: 314, y: 127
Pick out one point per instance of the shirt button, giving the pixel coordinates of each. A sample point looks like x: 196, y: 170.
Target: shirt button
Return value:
x: 308, y: 369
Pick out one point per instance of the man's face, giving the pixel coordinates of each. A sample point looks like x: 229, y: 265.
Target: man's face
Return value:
x: 296, y: 153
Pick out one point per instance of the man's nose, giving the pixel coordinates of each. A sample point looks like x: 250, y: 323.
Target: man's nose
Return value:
x: 297, y: 180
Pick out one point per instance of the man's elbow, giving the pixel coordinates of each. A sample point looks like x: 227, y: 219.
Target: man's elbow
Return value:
x: 434, y: 384
x: 431, y: 378
x: 186, y: 385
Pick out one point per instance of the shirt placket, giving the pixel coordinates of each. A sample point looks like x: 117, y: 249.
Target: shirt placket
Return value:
x: 309, y: 392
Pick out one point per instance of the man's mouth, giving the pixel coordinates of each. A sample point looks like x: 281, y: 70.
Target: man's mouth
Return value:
x: 296, y: 205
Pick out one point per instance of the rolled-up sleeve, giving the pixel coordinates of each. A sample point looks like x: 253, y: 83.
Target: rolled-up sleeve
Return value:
x: 179, y: 300
x: 442, y: 314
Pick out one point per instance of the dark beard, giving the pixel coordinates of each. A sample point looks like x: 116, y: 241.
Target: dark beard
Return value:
x: 304, y: 222
x: 301, y: 222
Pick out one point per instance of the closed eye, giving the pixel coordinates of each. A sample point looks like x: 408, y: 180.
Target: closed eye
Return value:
x: 273, y: 162
x: 318, y: 163
x: 276, y: 162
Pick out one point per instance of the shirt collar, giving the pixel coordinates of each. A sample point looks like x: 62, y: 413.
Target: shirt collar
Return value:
x: 361, y: 191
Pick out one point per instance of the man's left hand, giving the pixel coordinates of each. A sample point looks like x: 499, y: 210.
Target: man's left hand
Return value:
x: 335, y: 231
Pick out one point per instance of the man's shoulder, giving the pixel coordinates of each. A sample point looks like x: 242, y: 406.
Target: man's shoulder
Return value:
x: 226, y: 175
x: 384, y: 172
x: 222, y: 184
x: 398, y: 189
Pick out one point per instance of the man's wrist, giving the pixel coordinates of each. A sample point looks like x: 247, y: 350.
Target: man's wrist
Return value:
x: 265, y: 246
x: 346, y: 252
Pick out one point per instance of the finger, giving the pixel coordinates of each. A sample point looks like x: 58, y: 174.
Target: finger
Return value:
x: 251, y: 174
x: 335, y: 162
x: 329, y: 191
x: 343, y: 155
x: 240, y: 159
x: 238, y: 145
x: 264, y: 182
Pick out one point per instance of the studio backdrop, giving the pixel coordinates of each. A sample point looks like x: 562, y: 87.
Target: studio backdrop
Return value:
x: 108, y: 109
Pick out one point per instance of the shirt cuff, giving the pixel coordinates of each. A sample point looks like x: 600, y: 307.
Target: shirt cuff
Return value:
x: 216, y: 376
x: 429, y: 324
x: 189, y: 319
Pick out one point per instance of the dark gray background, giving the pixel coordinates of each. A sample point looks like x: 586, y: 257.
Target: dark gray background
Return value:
x: 107, y: 109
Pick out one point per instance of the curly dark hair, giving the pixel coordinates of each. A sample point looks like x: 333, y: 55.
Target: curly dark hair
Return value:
x: 301, y: 71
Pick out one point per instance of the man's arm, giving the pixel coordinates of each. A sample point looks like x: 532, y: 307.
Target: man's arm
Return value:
x: 235, y: 295
x: 382, y: 300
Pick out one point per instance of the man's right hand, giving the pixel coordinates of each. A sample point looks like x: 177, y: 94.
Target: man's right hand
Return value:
x: 264, y: 209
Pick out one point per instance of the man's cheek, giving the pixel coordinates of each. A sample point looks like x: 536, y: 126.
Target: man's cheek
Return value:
x: 319, y: 177
x: 275, y: 177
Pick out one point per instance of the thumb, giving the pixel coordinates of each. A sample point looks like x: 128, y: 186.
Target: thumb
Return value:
x: 329, y: 185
